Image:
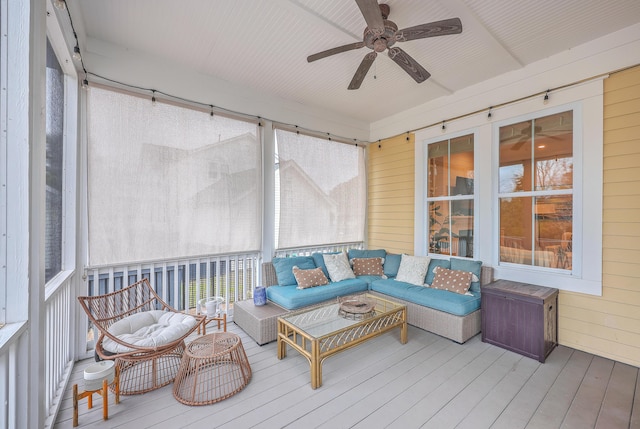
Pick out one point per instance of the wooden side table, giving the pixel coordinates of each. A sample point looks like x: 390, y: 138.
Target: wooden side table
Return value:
x: 520, y: 317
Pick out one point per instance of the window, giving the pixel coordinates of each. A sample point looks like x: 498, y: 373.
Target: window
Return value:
x: 54, y: 165
x: 450, y: 193
x: 321, y: 191
x: 535, y: 191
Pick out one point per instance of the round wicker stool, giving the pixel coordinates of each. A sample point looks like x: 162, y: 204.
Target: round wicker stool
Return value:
x: 214, y: 367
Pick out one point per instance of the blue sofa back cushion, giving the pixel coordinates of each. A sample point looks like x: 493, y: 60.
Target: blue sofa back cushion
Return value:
x: 467, y: 265
x: 358, y: 253
x: 444, y: 263
x: 443, y: 300
x: 283, y: 268
x: 291, y: 298
x: 319, y: 261
x: 391, y: 264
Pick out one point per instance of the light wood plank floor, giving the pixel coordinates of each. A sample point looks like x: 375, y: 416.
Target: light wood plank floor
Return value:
x: 430, y: 382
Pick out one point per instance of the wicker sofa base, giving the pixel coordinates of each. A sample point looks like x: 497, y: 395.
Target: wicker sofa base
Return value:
x: 260, y: 322
x: 456, y: 328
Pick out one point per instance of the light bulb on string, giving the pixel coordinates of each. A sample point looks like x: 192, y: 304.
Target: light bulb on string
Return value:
x: 546, y: 97
x: 85, y: 83
x: 489, y: 115
x: 59, y: 4
x: 153, y: 97
x: 76, y: 53
x: 444, y: 127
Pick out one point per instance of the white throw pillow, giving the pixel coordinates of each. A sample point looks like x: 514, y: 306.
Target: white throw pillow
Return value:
x: 413, y: 269
x: 338, y: 266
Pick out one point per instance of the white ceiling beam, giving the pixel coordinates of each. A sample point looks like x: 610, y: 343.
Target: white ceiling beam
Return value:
x: 471, y: 22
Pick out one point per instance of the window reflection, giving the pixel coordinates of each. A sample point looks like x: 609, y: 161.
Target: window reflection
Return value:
x: 536, y: 156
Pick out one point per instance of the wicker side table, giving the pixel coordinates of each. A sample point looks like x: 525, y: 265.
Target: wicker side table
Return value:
x: 214, y: 367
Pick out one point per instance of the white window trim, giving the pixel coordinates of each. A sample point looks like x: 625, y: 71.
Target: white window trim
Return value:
x: 424, y: 200
x: 586, y: 100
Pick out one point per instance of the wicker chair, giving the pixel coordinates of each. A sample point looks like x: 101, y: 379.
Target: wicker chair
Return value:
x: 144, y: 365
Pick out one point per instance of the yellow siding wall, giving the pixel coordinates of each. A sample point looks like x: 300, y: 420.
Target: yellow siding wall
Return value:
x: 390, y: 194
x: 609, y: 326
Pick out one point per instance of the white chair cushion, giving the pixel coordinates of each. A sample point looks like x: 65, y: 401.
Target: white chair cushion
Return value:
x: 153, y: 328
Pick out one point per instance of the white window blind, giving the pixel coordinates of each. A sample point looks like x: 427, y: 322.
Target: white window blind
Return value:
x: 169, y: 182
x: 322, y: 191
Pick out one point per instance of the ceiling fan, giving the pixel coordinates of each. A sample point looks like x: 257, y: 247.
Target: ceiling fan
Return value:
x: 381, y: 34
x: 525, y: 136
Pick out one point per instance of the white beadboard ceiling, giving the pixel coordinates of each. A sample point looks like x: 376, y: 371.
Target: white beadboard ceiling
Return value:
x: 262, y: 45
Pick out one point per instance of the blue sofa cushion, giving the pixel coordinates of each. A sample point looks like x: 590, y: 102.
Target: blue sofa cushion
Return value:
x: 283, y: 267
x: 358, y: 253
x: 449, y: 302
x: 369, y: 279
x: 474, y: 267
x: 444, y: 263
x: 391, y: 264
x: 292, y: 298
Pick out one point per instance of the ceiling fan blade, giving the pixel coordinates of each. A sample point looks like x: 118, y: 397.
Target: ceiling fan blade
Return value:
x: 432, y: 29
x: 364, y: 67
x: 372, y: 15
x: 334, y: 51
x: 411, y: 66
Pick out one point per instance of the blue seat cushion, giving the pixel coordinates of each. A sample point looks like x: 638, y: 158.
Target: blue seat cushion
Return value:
x: 283, y: 267
x: 443, y: 300
x: 369, y: 279
x: 292, y: 298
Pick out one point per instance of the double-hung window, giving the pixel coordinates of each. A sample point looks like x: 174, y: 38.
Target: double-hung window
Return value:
x: 450, y: 192
x: 535, y: 191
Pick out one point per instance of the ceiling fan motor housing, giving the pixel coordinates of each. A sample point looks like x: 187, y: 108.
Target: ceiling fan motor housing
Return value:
x: 383, y: 41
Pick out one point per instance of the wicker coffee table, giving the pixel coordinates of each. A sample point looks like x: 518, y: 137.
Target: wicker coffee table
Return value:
x: 321, y: 332
x: 214, y: 367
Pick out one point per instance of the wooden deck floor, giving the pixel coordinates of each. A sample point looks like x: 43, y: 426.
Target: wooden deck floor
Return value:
x: 430, y: 382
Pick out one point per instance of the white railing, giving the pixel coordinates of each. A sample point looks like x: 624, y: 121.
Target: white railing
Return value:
x: 306, y: 251
x: 59, y: 341
x: 182, y: 282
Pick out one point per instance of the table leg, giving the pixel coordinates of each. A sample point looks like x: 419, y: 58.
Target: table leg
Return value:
x: 282, y: 346
x: 403, y: 330
x: 316, y: 365
x: 105, y: 400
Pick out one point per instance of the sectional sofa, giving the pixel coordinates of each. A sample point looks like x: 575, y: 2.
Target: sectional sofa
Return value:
x: 452, y: 315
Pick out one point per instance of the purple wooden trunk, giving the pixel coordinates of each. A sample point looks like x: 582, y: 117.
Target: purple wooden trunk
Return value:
x: 520, y: 317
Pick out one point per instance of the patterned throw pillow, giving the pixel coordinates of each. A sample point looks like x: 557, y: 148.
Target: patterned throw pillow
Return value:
x: 309, y: 278
x: 338, y: 266
x: 368, y: 267
x: 452, y: 280
x: 413, y: 269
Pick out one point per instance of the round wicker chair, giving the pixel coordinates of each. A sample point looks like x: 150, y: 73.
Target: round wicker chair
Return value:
x: 144, y: 365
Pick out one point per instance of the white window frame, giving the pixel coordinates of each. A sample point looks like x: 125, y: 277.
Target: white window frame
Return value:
x: 425, y: 199
x: 586, y: 99
x: 575, y: 193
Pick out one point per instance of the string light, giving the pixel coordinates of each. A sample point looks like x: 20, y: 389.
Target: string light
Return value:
x: 59, y: 4
x: 489, y: 115
x: 76, y: 53
x: 408, y: 136
x: 85, y: 83
x: 211, y: 113
x: 546, y: 97
x: 444, y: 127
x: 153, y: 97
